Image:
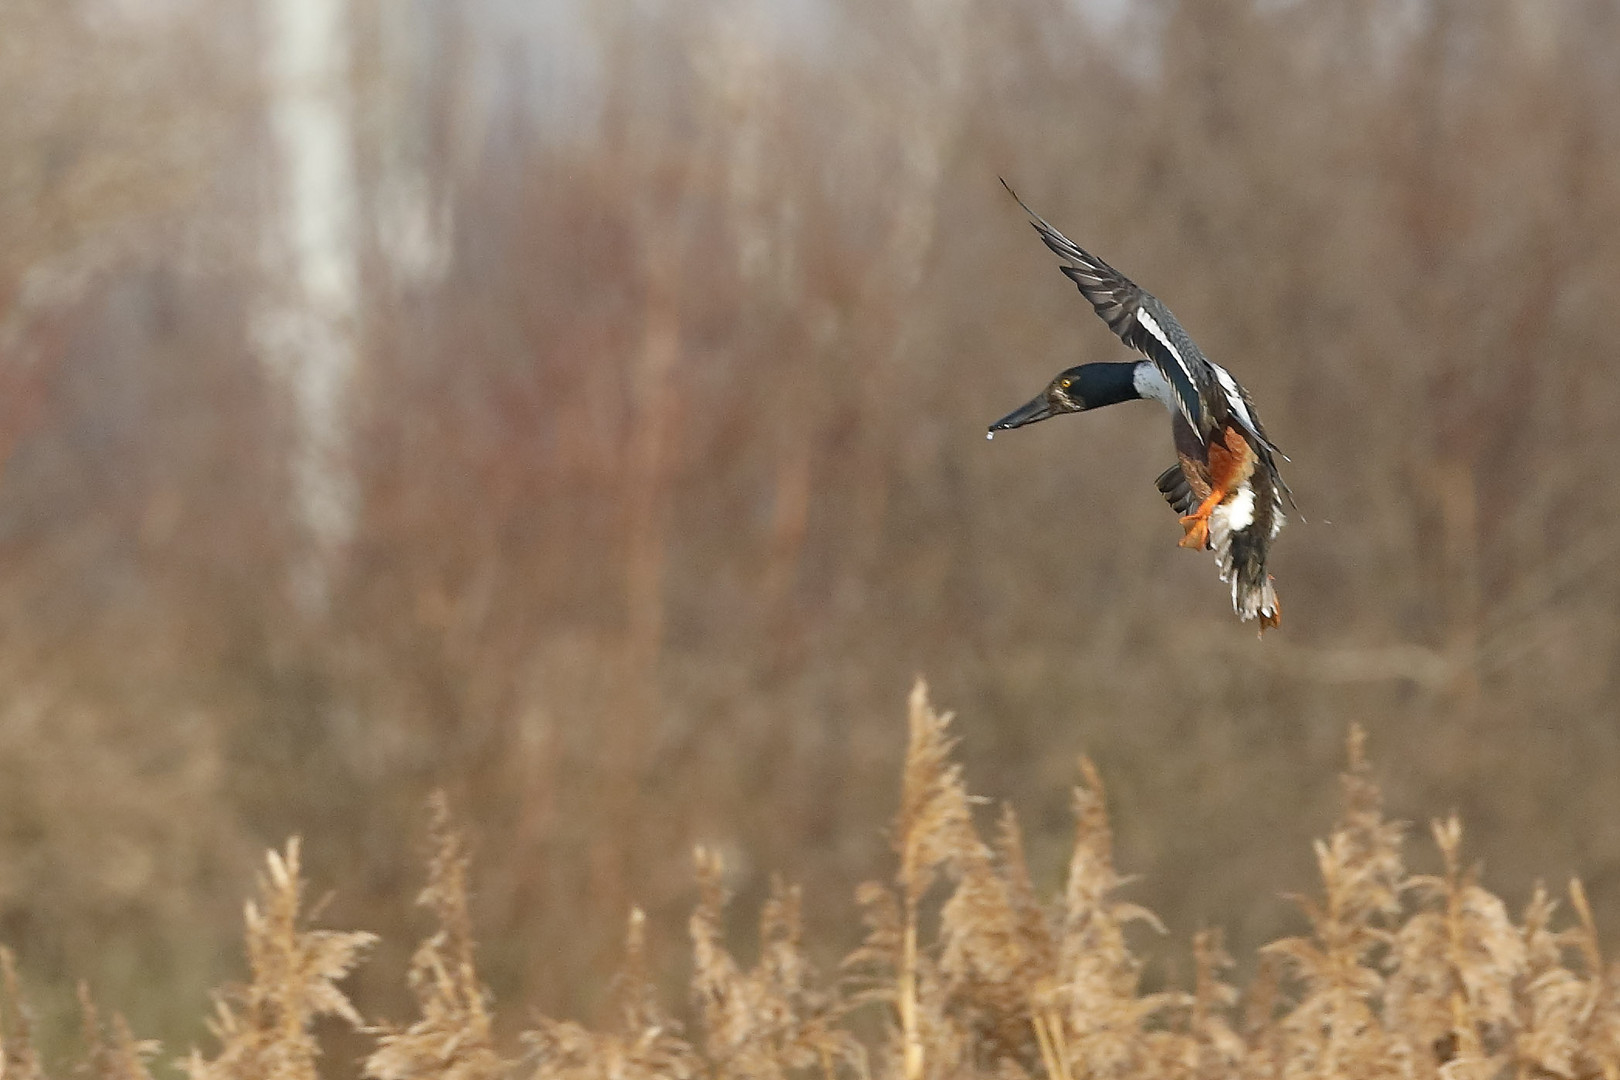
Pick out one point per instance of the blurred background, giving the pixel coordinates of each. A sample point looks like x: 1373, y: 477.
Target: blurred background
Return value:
x: 580, y: 407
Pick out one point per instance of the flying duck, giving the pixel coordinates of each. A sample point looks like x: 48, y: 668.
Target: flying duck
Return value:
x: 1225, y: 485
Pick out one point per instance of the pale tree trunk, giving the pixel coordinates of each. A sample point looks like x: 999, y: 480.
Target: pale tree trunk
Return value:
x: 308, y: 330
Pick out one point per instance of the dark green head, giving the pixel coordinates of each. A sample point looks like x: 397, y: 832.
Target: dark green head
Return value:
x: 1089, y: 386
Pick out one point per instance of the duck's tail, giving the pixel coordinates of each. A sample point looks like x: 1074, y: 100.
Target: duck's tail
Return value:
x: 1241, y: 531
x: 1254, y: 595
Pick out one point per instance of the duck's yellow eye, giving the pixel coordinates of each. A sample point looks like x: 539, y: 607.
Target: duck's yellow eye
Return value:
x: 1066, y: 383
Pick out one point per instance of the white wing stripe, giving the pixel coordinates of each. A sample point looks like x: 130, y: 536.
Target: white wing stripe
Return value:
x: 1234, y: 397
x: 1151, y: 325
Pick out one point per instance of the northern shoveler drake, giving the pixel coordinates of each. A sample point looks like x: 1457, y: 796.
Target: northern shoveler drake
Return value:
x: 1225, y: 484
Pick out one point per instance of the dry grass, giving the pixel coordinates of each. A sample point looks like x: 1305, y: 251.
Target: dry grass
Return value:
x: 264, y: 1028
x: 964, y: 972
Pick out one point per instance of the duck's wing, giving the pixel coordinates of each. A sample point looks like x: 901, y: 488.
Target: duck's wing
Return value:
x: 1173, y: 485
x: 1140, y: 320
x: 1240, y: 407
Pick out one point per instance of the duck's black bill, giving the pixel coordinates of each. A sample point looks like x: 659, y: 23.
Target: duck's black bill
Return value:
x: 1039, y: 409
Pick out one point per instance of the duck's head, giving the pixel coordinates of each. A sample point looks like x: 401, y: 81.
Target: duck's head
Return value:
x: 1089, y: 386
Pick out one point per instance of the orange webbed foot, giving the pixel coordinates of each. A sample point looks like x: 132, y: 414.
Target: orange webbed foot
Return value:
x: 1196, y: 527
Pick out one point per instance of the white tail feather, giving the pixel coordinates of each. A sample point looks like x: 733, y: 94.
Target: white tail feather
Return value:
x: 1253, y: 596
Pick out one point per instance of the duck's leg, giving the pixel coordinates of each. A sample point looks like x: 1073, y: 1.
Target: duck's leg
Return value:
x: 1196, y: 524
x: 1231, y: 460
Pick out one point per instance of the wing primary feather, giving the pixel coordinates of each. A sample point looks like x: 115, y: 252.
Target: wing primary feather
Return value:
x: 1124, y: 306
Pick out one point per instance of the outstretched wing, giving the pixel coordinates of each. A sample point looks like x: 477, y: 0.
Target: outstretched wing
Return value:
x: 1137, y: 316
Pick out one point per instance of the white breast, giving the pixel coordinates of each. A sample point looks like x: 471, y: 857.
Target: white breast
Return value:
x: 1236, y: 513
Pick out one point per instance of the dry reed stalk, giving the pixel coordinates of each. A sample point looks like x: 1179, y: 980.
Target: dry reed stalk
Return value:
x: 643, y: 1043
x: 1219, y: 1049
x: 1450, y: 997
x: 1334, y: 1026
x: 963, y: 1001
x: 19, y: 1058
x: 994, y: 941
x: 453, y: 1039
x: 1034, y: 926
x: 1550, y: 996
x: 1599, y: 1023
x: 1099, y: 974
x: 773, y: 1019
x: 909, y: 1027
x: 114, y: 1054
x: 264, y: 1027
x: 871, y: 971
x: 1260, y: 1001
x: 933, y: 814
x: 1048, y: 1025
